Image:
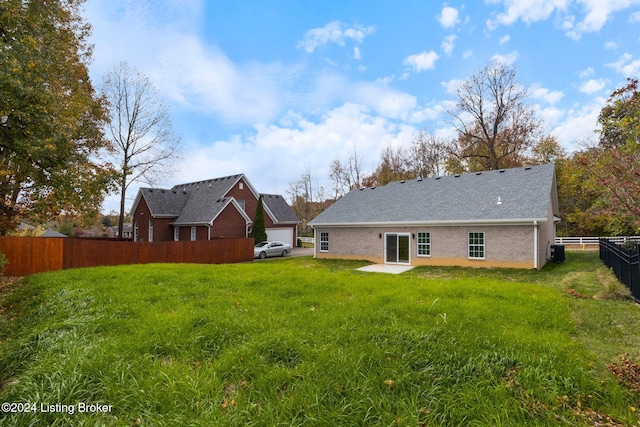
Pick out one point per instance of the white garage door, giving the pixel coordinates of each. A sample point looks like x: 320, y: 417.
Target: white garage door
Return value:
x: 284, y: 235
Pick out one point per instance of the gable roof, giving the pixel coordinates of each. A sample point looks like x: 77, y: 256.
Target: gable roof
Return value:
x: 200, y: 202
x: 508, y: 195
x: 279, y: 210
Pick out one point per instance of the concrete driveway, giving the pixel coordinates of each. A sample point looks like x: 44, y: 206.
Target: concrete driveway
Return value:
x: 295, y: 252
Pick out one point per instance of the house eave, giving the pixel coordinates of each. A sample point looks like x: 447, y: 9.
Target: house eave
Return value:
x: 478, y: 222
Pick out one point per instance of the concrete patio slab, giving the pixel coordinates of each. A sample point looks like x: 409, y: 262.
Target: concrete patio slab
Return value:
x: 386, y: 268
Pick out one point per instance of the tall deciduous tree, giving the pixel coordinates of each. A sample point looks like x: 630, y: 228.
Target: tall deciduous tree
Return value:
x: 614, y: 165
x: 144, y: 143
x: 496, y: 128
x: 50, y: 117
x: 620, y: 118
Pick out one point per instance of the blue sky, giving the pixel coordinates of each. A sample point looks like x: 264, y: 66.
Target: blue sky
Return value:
x: 269, y: 88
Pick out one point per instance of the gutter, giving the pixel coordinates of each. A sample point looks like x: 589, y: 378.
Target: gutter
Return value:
x: 519, y: 221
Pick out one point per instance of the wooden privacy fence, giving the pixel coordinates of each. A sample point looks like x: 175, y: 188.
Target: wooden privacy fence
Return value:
x: 625, y: 264
x: 29, y: 255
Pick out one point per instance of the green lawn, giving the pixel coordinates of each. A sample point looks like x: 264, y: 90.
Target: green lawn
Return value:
x: 299, y: 341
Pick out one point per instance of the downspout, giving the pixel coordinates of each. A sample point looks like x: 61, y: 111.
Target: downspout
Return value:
x: 535, y: 245
x: 315, y: 243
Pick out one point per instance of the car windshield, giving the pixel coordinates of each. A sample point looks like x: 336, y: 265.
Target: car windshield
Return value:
x: 261, y: 244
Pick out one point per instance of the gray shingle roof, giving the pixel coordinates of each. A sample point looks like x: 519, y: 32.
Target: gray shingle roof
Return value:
x: 499, y: 195
x: 280, y: 209
x: 200, y: 202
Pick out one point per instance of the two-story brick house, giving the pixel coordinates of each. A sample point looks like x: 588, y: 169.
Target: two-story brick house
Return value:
x: 213, y: 208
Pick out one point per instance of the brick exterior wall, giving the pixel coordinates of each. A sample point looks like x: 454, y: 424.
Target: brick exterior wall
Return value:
x: 229, y: 223
x: 505, y: 245
x: 162, y: 229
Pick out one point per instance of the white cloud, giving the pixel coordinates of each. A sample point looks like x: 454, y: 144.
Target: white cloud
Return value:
x: 356, y: 53
x: 508, y: 59
x: 577, y: 125
x: 467, y: 54
x: 594, y: 13
x: 551, y: 97
x: 422, y: 61
x: 634, y: 17
x: 451, y: 87
x: 448, y: 44
x: 529, y: 11
x: 334, y: 32
x: 587, y: 72
x: 333, y: 136
x: 611, y: 45
x: 449, y: 17
x: 626, y: 65
x: 504, y: 39
x: 593, y: 85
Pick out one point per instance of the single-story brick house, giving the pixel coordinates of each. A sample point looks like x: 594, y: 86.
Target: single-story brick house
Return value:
x: 213, y: 208
x: 498, y: 218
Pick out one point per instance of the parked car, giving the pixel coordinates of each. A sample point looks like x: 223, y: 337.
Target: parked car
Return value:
x: 265, y: 249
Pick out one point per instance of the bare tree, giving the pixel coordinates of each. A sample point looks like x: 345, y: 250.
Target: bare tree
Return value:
x: 496, y: 128
x: 347, y: 175
x: 427, y: 155
x: 140, y: 130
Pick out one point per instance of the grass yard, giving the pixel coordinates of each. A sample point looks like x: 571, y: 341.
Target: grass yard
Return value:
x: 309, y: 342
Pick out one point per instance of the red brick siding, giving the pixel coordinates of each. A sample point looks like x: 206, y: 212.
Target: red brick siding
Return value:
x: 250, y: 200
x: 230, y: 223
x: 162, y: 229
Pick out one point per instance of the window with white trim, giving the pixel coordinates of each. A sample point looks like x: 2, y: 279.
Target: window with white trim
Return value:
x: 135, y: 231
x: 193, y: 233
x: 151, y: 230
x: 424, y: 244
x: 476, y: 245
x: 176, y: 233
x: 324, y: 242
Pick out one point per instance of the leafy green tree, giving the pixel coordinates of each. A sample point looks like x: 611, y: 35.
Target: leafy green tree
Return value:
x: 258, y: 231
x: 50, y: 116
x: 614, y: 165
x: 620, y: 118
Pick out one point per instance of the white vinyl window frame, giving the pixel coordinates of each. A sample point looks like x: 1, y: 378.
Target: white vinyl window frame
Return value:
x: 476, y: 246
x: 150, y: 230
x: 176, y: 233
x: 193, y: 233
x: 423, y: 244
x: 324, y: 241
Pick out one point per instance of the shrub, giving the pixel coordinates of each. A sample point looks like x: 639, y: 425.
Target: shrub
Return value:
x: 3, y: 263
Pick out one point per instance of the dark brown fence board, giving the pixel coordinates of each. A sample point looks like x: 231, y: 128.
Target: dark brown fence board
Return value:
x: 29, y: 255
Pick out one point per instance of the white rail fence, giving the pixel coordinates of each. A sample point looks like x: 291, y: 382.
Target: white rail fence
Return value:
x: 584, y: 241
